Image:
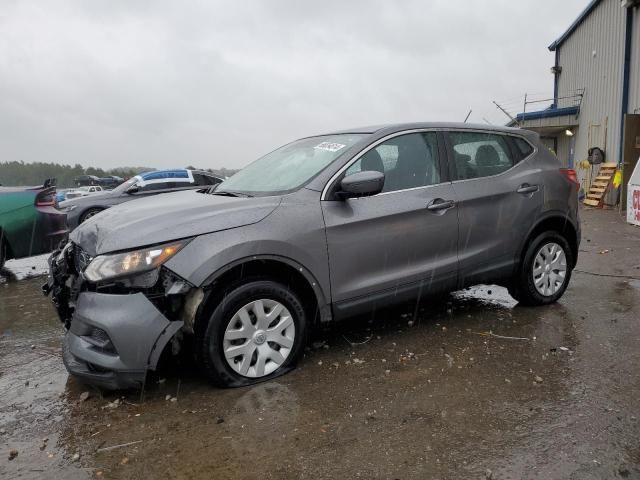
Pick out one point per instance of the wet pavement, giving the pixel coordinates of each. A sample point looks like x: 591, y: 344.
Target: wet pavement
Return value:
x: 469, y: 387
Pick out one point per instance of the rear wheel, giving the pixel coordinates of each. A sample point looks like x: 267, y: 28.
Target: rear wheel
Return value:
x: 89, y: 213
x: 256, y: 332
x: 545, y: 270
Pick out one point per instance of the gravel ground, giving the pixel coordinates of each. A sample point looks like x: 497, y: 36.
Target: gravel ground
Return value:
x: 470, y: 387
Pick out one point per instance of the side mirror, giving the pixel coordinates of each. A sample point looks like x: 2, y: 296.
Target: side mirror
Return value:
x: 133, y: 189
x: 361, y: 184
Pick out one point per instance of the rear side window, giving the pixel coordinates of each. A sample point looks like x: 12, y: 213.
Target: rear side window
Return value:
x: 480, y: 154
x: 522, y: 147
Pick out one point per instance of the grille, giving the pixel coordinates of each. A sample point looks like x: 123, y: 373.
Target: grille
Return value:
x: 81, y: 258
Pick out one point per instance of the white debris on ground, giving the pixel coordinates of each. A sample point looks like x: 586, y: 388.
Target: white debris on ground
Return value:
x: 487, y: 294
x: 28, y: 267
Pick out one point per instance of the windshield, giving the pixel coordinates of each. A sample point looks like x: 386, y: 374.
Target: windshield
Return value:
x: 124, y: 186
x: 289, y: 167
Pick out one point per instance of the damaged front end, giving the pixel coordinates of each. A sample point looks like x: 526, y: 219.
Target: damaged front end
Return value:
x: 120, y: 312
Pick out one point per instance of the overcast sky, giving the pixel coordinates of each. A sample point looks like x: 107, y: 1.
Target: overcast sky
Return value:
x: 217, y: 84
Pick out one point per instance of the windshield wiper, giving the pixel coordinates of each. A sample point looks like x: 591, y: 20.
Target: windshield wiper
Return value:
x: 231, y: 194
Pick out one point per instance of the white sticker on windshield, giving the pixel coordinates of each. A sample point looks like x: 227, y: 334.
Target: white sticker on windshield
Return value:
x: 329, y: 147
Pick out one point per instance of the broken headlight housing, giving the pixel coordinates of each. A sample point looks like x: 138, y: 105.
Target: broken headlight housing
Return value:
x: 117, y: 265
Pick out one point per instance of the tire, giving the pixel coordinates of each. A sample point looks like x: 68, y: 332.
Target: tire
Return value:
x: 3, y: 251
x: 265, y: 349
x: 524, y: 287
x: 89, y: 213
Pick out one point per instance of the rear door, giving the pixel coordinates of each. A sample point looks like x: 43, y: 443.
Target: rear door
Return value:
x: 402, y: 242
x: 499, y: 196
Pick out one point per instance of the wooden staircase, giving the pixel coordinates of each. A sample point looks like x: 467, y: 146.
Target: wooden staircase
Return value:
x: 600, y: 184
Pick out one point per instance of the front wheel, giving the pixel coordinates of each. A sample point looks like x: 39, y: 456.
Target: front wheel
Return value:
x: 256, y: 332
x: 545, y: 270
x: 89, y: 213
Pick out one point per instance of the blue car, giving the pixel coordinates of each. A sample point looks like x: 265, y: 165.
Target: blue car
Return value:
x: 148, y: 183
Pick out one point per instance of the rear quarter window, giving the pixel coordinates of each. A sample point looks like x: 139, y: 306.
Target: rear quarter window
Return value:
x: 522, y: 148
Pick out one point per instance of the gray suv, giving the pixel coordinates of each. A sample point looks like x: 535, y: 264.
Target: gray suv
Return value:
x: 321, y: 229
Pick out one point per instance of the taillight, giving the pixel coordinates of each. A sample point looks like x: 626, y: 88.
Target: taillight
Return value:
x: 571, y: 175
x: 46, y: 198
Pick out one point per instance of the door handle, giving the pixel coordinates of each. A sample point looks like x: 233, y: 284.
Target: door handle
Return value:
x: 526, y: 188
x: 440, y: 205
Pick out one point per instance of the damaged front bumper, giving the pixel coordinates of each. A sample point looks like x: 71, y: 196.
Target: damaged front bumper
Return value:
x: 114, y: 339
x: 115, y: 333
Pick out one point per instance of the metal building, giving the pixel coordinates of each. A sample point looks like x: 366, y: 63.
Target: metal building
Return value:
x: 596, y: 99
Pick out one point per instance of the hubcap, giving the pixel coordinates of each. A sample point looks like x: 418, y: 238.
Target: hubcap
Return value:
x: 549, y: 269
x: 259, y: 338
x: 90, y: 214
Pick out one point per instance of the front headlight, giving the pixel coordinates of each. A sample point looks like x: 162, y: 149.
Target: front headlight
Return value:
x: 108, y: 267
x: 68, y: 208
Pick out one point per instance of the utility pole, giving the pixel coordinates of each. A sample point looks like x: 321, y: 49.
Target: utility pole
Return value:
x: 505, y: 112
x: 467, y: 117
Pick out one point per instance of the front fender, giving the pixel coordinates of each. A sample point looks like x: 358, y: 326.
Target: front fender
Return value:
x: 208, y: 257
x: 323, y: 305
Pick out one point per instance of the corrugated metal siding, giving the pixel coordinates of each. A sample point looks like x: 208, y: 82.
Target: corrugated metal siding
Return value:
x: 601, y: 75
x: 563, y: 149
x: 634, y: 80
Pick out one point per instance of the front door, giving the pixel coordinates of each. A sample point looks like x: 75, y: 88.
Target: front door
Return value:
x: 401, y: 243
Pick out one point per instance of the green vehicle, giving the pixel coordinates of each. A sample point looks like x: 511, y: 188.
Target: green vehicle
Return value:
x: 30, y: 223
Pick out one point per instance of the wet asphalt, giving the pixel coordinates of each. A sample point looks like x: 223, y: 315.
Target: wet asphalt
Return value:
x: 472, y: 386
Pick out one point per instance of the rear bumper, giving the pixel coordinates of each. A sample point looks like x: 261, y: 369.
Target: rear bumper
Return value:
x: 114, y: 339
x: 38, y: 234
x: 53, y: 228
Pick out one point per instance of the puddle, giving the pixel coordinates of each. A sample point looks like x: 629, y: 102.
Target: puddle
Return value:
x: 445, y: 389
x: 634, y: 283
x: 33, y: 386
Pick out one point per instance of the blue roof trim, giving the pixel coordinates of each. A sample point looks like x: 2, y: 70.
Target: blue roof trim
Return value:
x: 157, y: 174
x: 548, y: 113
x: 576, y: 23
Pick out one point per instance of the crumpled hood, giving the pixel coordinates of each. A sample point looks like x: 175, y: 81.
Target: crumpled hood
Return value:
x: 166, y: 217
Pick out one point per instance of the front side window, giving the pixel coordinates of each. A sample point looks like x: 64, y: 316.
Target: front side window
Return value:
x: 480, y: 154
x: 289, y: 167
x: 407, y: 161
x: 202, y: 179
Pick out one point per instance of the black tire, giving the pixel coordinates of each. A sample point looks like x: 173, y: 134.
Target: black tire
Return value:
x: 209, y: 344
x: 89, y: 213
x: 3, y: 251
x: 523, y: 288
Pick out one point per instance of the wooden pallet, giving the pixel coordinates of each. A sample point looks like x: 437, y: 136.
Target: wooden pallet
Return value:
x: 600, y: 184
